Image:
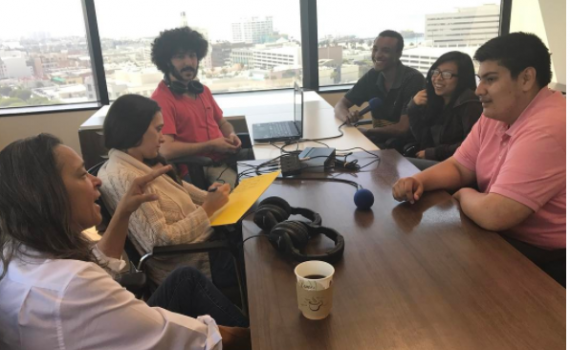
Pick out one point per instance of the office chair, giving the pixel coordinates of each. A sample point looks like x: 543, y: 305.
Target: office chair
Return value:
x: 196, y: 164
x: 236, y: 296
x: 136, y: 281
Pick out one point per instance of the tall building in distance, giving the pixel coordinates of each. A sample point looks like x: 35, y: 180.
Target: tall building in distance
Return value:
x: 470, y: 26
x: 183, y: 20
x: 201, y: 30
x: 3, y: 70
x: 252, y: 30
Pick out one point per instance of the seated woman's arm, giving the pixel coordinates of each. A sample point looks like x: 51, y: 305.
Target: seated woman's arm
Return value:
x: 113, y: 265
x: 418, y: 125
x: 198, y: 196
x: 149, y: 223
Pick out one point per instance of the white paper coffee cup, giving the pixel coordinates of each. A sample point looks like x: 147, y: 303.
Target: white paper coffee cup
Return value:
x: 314, y: 289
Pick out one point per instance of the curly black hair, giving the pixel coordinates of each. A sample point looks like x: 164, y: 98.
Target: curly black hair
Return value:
x: 170, y: 42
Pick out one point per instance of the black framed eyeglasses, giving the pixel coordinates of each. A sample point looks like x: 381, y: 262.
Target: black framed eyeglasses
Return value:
x: 446, y: 75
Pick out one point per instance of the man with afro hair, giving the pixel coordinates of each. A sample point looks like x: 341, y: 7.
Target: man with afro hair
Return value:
x: 193, y: 122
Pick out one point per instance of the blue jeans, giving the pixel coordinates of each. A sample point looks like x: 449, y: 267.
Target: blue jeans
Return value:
x: 187, y: 291
x: 223, y: 269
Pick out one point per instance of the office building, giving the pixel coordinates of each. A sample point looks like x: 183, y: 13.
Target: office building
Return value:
x: 331, y: 52
x: 74, y: 93
x: 15, y: 64
x: 43, y: 65
x: 183, y: 19
x: 471, y: 26
x: 422, y: 58
x: 90, y: 90
x: 220, y: 54
x: 132, y: 80
x: 242, y: 56
x: 69, y: 76
x: 266, y: 58
x: 2, y: 69
x: 253, y: 30
x: 285, y: 56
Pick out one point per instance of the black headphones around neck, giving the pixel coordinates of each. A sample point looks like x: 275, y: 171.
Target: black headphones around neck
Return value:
x: 180, y: 88
x: 291, y: 236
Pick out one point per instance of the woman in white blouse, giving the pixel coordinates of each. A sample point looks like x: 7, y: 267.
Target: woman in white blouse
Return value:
x: 133, y: 135
x: 54, y: 294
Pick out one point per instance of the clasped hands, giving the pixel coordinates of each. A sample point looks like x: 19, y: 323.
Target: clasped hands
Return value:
x: 410, y: 189
x: 230, y: 144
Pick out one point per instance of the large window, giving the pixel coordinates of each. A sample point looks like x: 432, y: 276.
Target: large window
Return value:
x: 430, y: 29
x: 44, y: 58
x: 254, y: 45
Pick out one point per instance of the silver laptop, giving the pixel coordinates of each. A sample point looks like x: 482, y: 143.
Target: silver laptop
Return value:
x: 283, y: 131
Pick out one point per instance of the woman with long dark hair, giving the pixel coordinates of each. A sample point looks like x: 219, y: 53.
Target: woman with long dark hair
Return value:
x: 133, y: 135
x: 442, y: 115
x: 55, y: 286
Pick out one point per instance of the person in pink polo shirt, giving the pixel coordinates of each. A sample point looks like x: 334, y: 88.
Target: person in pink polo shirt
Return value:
x: 515, y: 154
x: 193, y: 122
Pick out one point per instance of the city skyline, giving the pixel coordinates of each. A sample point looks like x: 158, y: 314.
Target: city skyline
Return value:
x: 131, y: 19
x: 250, y: 50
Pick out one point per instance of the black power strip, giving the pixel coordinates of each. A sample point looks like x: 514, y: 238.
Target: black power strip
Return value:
x: 290, y: 165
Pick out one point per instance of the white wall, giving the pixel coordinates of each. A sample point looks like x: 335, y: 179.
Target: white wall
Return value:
x: 546, y: 19
x: 63, y: 125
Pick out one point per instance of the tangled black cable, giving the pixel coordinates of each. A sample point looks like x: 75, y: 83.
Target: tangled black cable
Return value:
x: 272, y: 165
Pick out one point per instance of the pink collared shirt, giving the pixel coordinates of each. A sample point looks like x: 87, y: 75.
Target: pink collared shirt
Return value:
x: 527, y: 163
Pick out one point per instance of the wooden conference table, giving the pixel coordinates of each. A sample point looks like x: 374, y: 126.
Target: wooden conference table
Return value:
x: 419, y: 276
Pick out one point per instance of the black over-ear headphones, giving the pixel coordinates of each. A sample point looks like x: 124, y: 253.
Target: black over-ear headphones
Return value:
x: 289, y: 236
x: 180, y: 88
x: 273, y: 210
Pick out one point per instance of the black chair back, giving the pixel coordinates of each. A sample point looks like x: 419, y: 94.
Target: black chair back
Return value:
x: 135, y: 281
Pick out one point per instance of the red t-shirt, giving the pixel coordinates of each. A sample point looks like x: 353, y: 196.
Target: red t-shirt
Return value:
x: 190, y: 120
x: 526, y: 163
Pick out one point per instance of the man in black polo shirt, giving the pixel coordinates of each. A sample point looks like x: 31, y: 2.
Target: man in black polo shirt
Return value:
x: 389, y: 80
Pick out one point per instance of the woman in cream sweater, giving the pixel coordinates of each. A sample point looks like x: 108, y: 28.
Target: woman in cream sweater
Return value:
x: 132, y: 131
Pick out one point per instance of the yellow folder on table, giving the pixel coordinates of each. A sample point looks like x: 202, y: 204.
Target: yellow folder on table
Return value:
x: 242, y: 198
